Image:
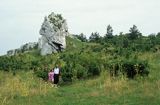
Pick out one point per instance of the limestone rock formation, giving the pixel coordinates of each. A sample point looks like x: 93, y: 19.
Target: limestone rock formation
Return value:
x: 53, y: 31
x: 24, y: 48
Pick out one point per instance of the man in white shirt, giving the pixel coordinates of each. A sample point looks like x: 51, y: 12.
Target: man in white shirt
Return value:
x: 56, y: 75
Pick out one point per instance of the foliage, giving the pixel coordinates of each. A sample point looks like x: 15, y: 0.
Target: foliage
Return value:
x: 109, y: 33
x: 82, y: 37
x: 42, y: 73
x: 57, y: 20
x: 134, y: 33
x: 80, y: 66
x: 95, y: 37
x: 128, y: 67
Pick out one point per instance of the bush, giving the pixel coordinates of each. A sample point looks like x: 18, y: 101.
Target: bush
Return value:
x: 81, y: 71
x: 93, y: 69
x: 80, y: 66
x: 42, y: 73
x: 67, y: 72
x: 130, y: 68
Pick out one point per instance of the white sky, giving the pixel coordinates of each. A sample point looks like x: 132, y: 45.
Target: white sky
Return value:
x: 20, y: 20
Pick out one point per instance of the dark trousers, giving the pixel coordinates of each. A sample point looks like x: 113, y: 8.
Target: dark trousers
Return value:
x: 56, y: 78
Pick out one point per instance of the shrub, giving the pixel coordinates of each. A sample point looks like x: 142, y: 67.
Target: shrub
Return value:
x: 67, y: 72
x: 93, y: 69
x: 81, y: 71
x: 80, y: 66
x: 42, y: 73
x: 130, y: 68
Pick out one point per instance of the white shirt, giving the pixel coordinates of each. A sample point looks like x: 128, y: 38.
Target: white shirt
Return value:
x: 56, y: 70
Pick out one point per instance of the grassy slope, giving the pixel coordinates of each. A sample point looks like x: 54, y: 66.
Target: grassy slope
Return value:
x: 26, y: 89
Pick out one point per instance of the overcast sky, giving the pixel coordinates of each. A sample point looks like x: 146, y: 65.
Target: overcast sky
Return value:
x: 20, y: 20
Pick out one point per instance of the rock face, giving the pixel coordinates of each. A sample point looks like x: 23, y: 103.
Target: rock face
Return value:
x: 53, y: 31
x: 24, y: 48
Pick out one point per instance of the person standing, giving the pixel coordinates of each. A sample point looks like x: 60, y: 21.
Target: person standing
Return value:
x: 51, y: 76
x: 56, y: 75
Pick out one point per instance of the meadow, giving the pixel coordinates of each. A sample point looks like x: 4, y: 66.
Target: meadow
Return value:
x: 24, y: 88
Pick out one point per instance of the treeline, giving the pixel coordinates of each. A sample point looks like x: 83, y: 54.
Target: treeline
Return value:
x: 134, y: 40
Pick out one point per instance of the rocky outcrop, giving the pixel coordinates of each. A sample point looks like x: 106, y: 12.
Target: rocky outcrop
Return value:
x: 11, y: 52
x: 24, y: 48
x: 53, y: 31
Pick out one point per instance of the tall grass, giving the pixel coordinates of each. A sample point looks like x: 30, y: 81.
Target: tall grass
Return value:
x: 25, y: 89
x: 23, y: 84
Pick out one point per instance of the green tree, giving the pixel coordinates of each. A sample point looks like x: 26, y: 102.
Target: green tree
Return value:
x: 95, y: 37
x: 109, y: 33
x: 82, y: 37
x: 158, y: 34
x: 134, y: 33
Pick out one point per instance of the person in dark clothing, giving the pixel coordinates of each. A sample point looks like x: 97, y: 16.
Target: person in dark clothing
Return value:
x: 56, y: 75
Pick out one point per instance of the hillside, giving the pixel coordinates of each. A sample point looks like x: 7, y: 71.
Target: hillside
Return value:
x: 26, y: 89
x: 96, y: 72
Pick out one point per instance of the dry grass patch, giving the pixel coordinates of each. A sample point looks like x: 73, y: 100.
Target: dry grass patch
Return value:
x: 21, y: 85
x: 116, y: 86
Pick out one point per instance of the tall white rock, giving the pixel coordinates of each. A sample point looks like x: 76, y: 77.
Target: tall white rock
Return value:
x: 53, y: 31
